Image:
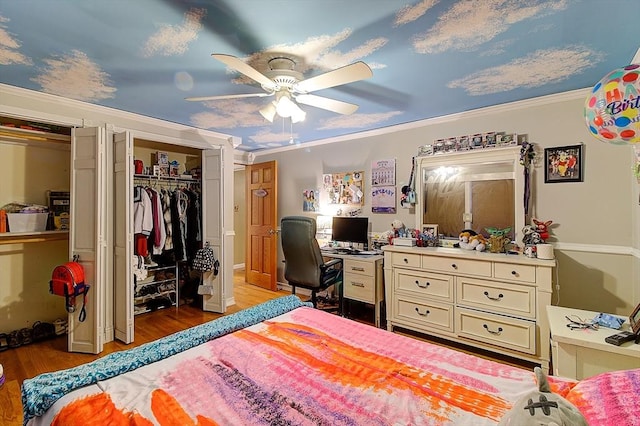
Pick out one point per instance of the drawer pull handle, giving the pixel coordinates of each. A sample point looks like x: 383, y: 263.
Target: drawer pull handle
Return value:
x: 491, y: 331
x: 454, y: 266
x: 426, y: 312
x: 406, y: 260
x: 357, y: 284
x: 514, y: 273
x: 500, y: 296
x: 426, y: 284
x: 357, y: 268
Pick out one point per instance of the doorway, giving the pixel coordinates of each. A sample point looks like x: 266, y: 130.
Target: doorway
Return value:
x: 261, y: 195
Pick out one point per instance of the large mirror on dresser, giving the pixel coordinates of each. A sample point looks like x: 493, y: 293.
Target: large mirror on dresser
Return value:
x: 474, y: 189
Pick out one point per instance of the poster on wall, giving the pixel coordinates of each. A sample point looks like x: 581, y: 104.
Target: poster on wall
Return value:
x: 344, y: 188
x: 310, y: 200
x: 383, y: 172
x: 383, y: 186
x: 383, y: 199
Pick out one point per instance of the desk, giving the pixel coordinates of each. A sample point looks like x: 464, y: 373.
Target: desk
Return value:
x: 363, y: 279
x: 578, y: 354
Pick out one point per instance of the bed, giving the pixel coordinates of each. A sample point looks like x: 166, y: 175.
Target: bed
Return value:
x: 283, y: 362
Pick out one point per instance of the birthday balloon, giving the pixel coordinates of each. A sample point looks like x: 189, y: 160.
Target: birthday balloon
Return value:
x: 612, y: 110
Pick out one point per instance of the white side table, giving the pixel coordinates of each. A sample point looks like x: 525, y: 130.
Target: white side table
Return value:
x: 582, y: 353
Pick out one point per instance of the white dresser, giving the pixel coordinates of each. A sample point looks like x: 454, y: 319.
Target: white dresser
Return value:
x: 491, y: 301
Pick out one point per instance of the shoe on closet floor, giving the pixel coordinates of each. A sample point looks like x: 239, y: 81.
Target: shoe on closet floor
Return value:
x: 149, y: 262
x: 60, y: 326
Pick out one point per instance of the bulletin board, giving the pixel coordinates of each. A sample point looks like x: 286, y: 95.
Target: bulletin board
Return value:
x: 344, y: 188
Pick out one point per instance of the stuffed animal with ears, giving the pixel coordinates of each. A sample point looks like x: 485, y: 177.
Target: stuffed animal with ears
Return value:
x: 542, y: 407
x: 397, y: 228
x: 478, y: 242
x: 542, y: 228
x: 470, y: 240
x: 530, y: 236
x: 464, y: 239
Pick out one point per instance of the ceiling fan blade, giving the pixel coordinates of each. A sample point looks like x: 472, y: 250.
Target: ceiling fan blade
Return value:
x: 328, y: 104
x: 242, y: 67
x: 347, y: 74
x: 212, y: 98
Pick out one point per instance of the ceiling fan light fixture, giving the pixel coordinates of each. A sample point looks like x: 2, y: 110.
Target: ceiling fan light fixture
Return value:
x: 298, y: 115
x: 269, y: 112
x: 286, y: 107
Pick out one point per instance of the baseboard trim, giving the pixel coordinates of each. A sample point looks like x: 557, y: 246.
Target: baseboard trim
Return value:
x: 597, y: 248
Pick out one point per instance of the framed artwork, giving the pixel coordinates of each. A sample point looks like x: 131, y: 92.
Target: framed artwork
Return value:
x: 563, y: 164
x: 310, y: 200
x: 430, y: 229
x: 383, y: 199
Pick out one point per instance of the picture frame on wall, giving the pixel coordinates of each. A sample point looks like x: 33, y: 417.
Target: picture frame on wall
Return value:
x: 564, y: 164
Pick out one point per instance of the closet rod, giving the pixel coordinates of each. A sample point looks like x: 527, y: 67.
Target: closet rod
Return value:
x: 150, y: 178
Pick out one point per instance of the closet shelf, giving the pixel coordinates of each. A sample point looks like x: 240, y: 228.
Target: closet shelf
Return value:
x: 17, y: 133
x: 147, y: 297
x: 148, y: 283
x: 32, y: 237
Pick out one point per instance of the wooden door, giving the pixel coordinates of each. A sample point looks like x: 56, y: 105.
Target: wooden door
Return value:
x: 123, y: 236
x: 88, y: 235
x: 262, y: 224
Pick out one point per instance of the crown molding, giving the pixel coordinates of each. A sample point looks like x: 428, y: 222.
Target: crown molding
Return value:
x: 89, y: 110
x: 479, y: 112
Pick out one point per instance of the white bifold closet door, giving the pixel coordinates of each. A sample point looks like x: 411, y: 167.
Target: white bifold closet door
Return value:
x: 87, y: 236
x: 123, y: 236
x: 212, y: 227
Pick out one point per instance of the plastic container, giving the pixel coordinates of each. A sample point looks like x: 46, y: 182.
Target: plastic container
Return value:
x: 27, y: 222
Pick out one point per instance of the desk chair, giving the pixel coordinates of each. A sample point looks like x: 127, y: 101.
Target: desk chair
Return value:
x: 304, y: 265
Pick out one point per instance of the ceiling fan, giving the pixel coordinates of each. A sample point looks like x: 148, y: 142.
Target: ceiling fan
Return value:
x: 289, y: 86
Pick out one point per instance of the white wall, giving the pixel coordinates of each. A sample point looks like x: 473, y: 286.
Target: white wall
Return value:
x: 594, y: 221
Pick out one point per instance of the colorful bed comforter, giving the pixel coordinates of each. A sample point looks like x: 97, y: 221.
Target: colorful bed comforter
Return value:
x: 304, y: 367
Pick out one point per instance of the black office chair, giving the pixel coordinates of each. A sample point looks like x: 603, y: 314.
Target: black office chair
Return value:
x: 304, y: 265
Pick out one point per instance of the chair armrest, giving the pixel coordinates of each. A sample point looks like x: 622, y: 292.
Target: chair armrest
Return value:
x: 331, y: 264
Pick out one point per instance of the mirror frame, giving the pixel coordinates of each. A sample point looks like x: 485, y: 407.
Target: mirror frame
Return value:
x: 486, y: 155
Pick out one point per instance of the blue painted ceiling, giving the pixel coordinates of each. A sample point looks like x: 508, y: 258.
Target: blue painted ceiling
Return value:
x: 429, y: 58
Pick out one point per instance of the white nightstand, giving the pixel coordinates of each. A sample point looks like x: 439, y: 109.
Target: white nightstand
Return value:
x: 583, y: 353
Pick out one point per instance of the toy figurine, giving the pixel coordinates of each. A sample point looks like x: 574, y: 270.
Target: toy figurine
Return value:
x: 543, y: 228
x: 498, y: 239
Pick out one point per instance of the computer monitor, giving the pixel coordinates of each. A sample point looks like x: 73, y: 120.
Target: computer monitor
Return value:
x: 350, y: 230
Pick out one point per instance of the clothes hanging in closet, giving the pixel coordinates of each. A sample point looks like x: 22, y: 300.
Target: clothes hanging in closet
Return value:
x: 158, y: 234
x: 186, y: 223
x: 142, y: 220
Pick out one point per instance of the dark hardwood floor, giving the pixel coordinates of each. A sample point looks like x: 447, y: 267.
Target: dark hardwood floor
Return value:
x: 51, y: 355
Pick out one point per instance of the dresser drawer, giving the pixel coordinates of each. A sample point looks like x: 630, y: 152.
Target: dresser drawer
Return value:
x: 406, y: 259
x: 425, y: 284
x: 506, y: 332
x: 424, y: 314
x: 359, y: 267
x: 509, y: 271
x: 511, y: 299
x: 359, y: 287
x: 457, y: 266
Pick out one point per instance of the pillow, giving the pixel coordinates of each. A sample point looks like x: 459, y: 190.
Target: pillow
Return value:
x: 542, y: 407
x: 609, y: 398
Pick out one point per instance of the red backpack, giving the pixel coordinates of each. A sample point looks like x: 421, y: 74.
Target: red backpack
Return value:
x: 68, y: 280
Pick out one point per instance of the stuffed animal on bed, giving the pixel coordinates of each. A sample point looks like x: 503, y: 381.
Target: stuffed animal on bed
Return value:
x: 542, y: 407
